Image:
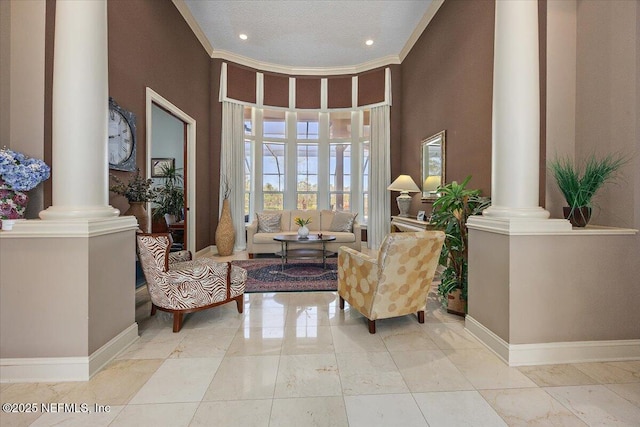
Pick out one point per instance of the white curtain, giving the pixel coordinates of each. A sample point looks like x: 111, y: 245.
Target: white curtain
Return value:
x: 231, y: 167
x: 379, y: 179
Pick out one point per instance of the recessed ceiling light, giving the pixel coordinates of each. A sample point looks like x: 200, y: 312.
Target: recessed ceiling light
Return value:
x: 369, y: 42
x: 243, y: 36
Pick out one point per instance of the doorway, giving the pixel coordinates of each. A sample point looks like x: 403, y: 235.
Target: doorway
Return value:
x: 171, y: 146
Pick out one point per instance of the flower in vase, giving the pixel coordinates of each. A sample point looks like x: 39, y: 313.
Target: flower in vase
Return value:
x: 20, y: 172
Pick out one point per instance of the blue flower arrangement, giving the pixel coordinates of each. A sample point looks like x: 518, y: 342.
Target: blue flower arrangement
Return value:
x: 21, y: 173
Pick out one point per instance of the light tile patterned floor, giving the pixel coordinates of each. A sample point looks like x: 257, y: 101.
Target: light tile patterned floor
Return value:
x: 296, y: 359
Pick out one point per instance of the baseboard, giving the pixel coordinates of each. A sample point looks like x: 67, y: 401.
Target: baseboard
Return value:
x: 555, y: 352
x: 62, y: 369
x: 206, y: 251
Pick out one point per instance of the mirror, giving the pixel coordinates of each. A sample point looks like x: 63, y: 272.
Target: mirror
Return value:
x: 433, y: 162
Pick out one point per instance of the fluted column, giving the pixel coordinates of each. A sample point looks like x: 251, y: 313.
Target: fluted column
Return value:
x: 80, y: 110
x: 516, y: 112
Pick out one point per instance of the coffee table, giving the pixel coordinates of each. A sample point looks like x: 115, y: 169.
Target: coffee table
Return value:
x: 304, y: 253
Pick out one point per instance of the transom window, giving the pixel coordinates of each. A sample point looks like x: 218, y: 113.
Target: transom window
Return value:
x: 306, y: 160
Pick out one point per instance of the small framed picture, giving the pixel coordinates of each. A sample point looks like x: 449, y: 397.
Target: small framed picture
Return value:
x: 420, y: 216
x: 159, y: 166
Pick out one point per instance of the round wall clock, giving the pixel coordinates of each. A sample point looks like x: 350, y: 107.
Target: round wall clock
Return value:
x: 122, y: 138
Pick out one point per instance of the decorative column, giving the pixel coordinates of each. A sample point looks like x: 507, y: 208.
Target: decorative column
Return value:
x: 80, y: 111
x: 516, y: 112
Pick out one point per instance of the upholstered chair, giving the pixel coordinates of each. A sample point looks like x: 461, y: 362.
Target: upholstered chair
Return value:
x: 395, y: 282
x: 177, y: 284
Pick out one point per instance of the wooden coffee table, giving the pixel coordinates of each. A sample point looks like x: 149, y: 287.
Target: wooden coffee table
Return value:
x: 304, y: 253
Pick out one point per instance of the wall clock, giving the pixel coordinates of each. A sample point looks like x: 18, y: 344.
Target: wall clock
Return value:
x: 122, y: 138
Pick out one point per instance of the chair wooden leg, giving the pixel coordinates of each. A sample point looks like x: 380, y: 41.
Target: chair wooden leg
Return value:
x: 372, y: 326
x: 177, y: 322
x: 153, y: 309
x: 240, y: 303
x: 421, y: 316
x: 341, y: 303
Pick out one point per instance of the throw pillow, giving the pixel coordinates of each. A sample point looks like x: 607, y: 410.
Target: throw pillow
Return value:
x: 343, y: 221
x: 268, y: 222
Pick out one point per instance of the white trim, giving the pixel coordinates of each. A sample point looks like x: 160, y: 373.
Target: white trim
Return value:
x: 422, y: 25
x: 292, y: 93
x: 540, y: 227
x: 87, y: 227
x: 555, y: 352
x: 493, y: 342
x: 305, y: 71
x: 354, y: 93
x: 59, y: 369
x: 153, y: 97
x: 324, y: 94
x: 259, y: 89
x: 193, y: 24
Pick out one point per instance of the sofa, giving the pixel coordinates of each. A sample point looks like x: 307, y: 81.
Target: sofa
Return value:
x: 260, y: 234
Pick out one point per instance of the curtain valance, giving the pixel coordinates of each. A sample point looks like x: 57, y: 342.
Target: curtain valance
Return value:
x: 280, y: 91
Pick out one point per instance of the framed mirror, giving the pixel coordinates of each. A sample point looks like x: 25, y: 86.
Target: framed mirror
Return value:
x: 432, y: 163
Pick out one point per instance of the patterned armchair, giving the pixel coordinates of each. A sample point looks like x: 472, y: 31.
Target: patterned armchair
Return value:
x: 396, y: 282
x: 177, y: 284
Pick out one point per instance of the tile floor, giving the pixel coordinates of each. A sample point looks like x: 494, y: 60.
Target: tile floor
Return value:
x: 296, y: 359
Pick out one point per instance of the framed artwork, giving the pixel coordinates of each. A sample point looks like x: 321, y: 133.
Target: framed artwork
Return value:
x: 420, y: 216
x: 160, y: 165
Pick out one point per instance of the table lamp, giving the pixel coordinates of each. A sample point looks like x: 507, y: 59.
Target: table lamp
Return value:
x: 431, y: 185
x: 405, y: 185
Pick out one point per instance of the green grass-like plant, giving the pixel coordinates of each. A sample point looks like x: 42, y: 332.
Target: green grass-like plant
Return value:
x: 579, y: 183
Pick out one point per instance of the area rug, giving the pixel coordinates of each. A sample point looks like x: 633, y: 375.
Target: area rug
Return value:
x: 266, y: 275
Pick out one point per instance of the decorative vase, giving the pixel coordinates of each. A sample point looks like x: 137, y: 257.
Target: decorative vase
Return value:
x: 303, y: 232
x: 13, y: 203
x: 578, y: 217
x: 137, y: 209
x: 225, y: 233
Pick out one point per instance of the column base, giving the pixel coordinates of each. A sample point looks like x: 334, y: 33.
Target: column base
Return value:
x: 78, y: 212
x: 507, y: 212
x: 522, y: 225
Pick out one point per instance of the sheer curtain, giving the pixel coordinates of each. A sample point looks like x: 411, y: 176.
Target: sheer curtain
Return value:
x: 379, y: 179
x: 231, y: 171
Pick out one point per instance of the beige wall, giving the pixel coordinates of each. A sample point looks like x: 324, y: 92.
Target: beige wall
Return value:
x: 562, y: 288
x: 607, y: 100
x: 561, y: 93
x: 55, y: 299
x: 22, y: 83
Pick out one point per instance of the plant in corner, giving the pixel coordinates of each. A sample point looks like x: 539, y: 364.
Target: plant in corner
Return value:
x: 579, y: 183
x: 169, y: 199
x: 138, y: 191
x: 450, y: 213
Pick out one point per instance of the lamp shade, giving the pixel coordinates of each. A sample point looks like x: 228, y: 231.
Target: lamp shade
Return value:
x: 404, y: 183
x: 431, y: 184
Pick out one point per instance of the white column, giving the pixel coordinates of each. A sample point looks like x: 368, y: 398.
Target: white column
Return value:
x: 80, y: 109
x: 516, y: 112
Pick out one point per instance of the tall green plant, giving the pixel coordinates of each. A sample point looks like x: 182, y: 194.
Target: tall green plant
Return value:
x: 579, y: 183
x: 170, y: 195
x: 450, y: 213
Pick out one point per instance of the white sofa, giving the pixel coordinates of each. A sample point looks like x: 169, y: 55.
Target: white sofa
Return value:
x: 262, y: 243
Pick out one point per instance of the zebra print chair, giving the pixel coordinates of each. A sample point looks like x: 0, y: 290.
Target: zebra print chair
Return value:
x: 177, y: 284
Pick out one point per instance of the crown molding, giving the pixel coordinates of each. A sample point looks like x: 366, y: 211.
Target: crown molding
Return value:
x: 305, y: 71
x: 193, y: 24
x: 422, y: 25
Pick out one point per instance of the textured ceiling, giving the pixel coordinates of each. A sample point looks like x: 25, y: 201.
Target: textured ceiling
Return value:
x: 314, y: 34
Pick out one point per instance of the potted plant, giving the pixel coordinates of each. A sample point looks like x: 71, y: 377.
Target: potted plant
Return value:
x: 138, y: 191
x: 169, y: 198
x: 450, y: 213
x: 579, y: 183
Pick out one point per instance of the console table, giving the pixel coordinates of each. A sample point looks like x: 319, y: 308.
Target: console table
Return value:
x: 403, y: 223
